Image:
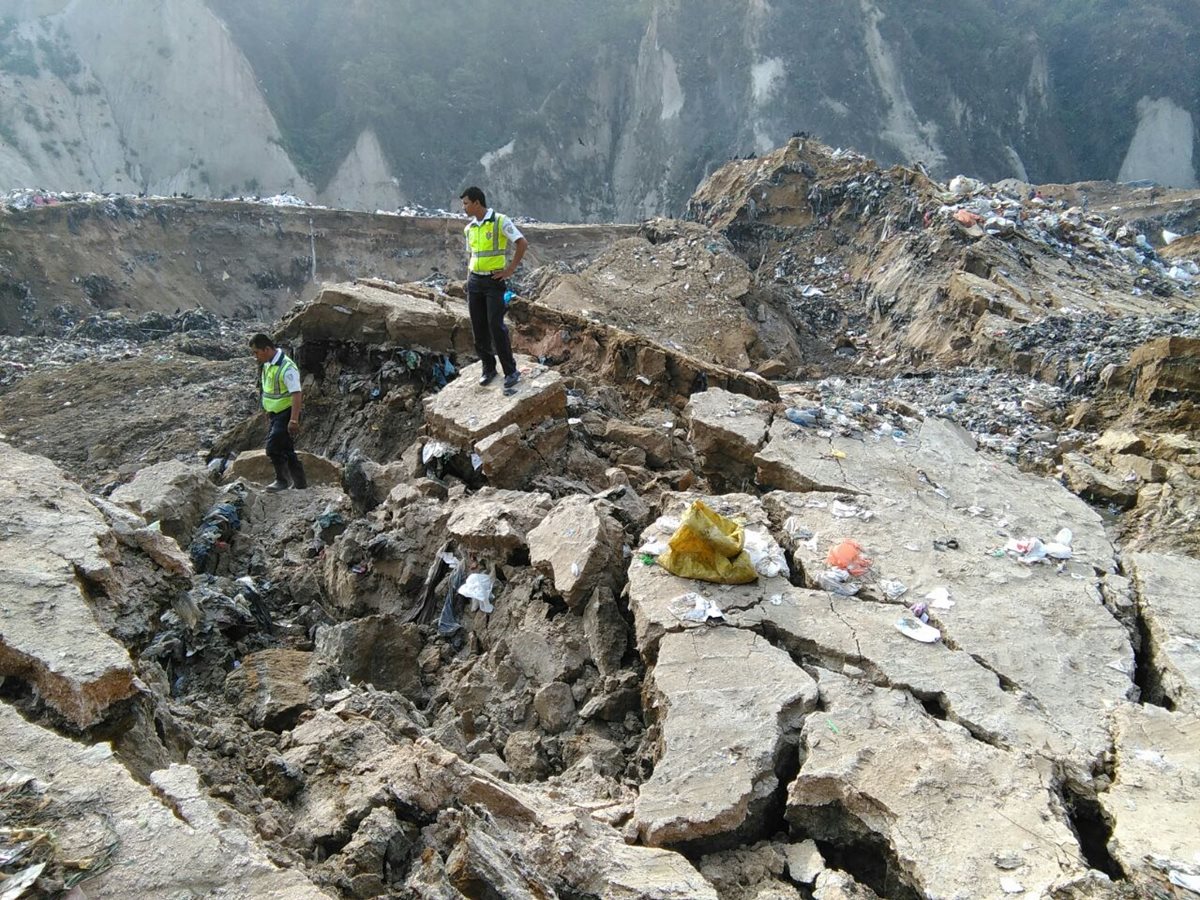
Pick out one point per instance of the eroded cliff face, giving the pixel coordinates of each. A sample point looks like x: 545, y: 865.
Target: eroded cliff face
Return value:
x: 162, y: 96
x: 708, y: 85
x: 146, y: 95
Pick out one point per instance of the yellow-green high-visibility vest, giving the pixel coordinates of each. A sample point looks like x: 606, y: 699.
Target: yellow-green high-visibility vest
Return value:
x: 275, y: 395
x: 487, y: 244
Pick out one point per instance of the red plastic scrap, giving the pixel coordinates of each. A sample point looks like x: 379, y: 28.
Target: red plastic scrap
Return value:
x: 848, y: 555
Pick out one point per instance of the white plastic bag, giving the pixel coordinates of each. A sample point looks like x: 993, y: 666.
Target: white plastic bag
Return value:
x: 478, y: 587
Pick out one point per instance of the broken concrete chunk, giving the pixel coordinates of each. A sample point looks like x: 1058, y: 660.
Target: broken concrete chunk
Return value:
x: 497, y: 521
x: 270, y: 687
x: 804, y: 862
x: 1090, y: 483
x: 402, y: 315
x: 555, y: 707
x: 376, y: 650
x: 56, y: 543
x: 578, y: 545
x: 606, y: 632
x: 175, y: 494
x: 1121, y: 442
x: 726, y: 429
x: 655, y: 443
x: 253, y: 465
x: 1167, y: 369
x: 728, y: 705
x: 463, y: 412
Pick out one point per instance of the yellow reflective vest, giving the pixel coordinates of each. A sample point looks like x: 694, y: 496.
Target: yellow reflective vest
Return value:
x: 487, y: 244
x: 275, y: 395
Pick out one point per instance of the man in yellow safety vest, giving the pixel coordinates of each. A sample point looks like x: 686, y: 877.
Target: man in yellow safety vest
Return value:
x: 283, y: 400
x: 490, y: 238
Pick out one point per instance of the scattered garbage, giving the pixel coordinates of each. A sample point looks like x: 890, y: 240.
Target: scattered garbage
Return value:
x: 848, y: 555
x: 708, y: 547
x: 1033, y: 550
x: 796, y: 530
x: 842, y: 510
x: 837, y: 581
x: 694, y: 607
x: 435, y: 450
x: 809, y: 418
x: 766, y: 555
x: 478, y: 588
x: 1184, y: 880
x: 912, y: 627
x: 893, y: 589
x: 215, y: 532
x: 939, y: 598
x: 920, y: 610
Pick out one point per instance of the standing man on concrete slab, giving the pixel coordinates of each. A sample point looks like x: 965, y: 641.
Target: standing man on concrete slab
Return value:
x: 283, y: 400
x: 489, y: 239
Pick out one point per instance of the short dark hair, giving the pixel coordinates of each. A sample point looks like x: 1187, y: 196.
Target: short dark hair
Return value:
x: 261, y: 342
x: 473, y: 193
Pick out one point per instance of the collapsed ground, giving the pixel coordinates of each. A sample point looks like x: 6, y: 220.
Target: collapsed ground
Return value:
x: 313, y: 673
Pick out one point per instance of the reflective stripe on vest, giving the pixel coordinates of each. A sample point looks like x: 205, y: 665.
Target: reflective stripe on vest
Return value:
x: 487, y: 244
x: 275, y: 395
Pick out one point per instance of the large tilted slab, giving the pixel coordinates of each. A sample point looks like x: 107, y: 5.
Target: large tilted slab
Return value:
x: 728, y: 701
x: 168, y: 841
x: 55, y: 543
x: 875, y: 757
x: 376, y: 313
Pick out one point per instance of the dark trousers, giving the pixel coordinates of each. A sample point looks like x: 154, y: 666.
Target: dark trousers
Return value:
x: 485, y: 302
x: 282, y: 451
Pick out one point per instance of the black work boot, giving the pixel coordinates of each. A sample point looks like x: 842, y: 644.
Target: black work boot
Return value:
x: 299, y: 480
x: 281, y: 482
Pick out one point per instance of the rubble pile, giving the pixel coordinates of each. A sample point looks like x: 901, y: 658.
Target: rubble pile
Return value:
x: 762, y: 583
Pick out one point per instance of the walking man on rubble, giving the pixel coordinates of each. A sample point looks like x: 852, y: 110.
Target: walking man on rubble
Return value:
x: 283, y: 400
x: 489, y: 239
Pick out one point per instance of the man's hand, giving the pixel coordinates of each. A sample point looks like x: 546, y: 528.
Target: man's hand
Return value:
x: 293, y: 426
x: 504, y: 274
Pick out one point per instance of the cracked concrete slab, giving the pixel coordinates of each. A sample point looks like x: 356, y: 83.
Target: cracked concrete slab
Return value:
x: 1043, y: 632
x: 875, y: 763
x: 728, y: 702
x: 1154, y: 801
x: 1165, y: 587
x: 854, y: 636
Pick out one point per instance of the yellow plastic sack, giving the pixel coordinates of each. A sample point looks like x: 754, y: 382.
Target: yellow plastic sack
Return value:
x: 708, y: 547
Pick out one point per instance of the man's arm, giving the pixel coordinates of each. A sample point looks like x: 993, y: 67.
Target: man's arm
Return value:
x: 297, y: 405
x: 507, y: 272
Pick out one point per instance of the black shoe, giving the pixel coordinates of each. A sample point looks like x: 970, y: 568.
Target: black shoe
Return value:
x: 486, y: 378
x: 276, y: 486
x: 510, y: 381
x: 299, y: 480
